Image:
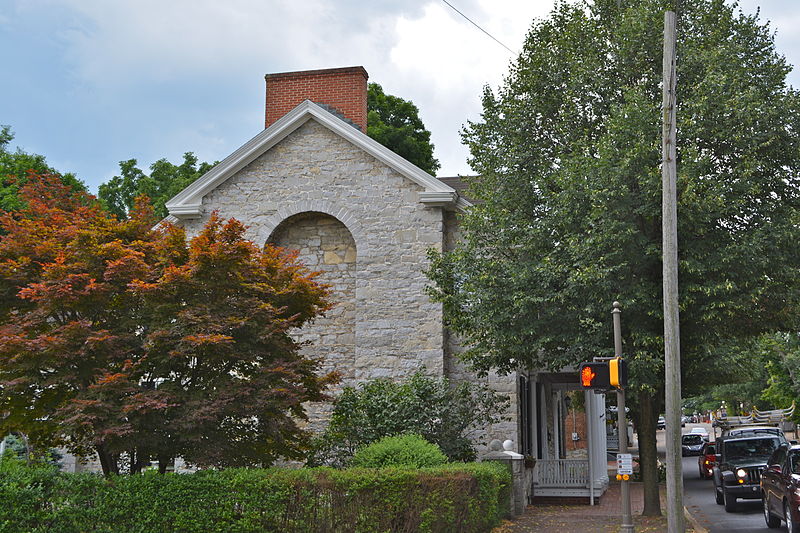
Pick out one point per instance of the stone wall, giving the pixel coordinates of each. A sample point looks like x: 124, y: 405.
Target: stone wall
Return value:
x: 314, y: 188
x: 326, y: 245
x: 397, y: 328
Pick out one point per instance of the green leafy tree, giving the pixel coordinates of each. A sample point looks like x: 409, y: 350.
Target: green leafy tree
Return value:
x: 569, y: 153
x: 738, y: 374
x: 441, y: 412
x: 165, y: 181
x: 15, y: 167
x: 783, y: 369
x: 132, y: 343
x: 395, y: 123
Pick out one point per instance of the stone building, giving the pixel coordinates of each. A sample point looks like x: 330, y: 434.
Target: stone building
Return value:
x: 365, y: 217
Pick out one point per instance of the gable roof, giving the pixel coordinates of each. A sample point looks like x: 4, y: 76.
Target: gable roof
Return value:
x: 188, y: 202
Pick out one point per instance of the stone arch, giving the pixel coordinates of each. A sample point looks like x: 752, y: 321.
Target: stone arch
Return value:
x: 344, y: 215
x: 326, y: 245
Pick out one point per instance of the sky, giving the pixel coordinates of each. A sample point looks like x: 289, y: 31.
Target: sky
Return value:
x: 89, y: 83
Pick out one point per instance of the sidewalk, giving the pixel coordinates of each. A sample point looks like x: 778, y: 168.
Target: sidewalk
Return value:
x: 604, y: 517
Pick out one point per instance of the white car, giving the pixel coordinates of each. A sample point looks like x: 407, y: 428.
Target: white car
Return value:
x: 699, y: 431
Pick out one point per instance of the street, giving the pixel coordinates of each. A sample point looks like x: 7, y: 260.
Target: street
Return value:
x: 698, y: 498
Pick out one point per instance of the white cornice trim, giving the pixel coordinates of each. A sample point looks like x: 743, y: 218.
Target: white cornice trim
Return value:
x: 169, y: 219
x: 462, y: 204
x: 188, y: 202
x: 438, y: 198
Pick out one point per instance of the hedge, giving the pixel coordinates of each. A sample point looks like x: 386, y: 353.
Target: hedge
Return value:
x: 450, y: 498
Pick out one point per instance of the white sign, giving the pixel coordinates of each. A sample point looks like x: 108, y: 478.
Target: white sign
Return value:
x: 624, y: 464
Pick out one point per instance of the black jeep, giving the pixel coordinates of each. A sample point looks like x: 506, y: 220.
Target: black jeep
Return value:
x: 741, y: 456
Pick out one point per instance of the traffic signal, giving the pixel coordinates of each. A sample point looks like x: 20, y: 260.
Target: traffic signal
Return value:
x: 618, y: 373
x: 594, y: 376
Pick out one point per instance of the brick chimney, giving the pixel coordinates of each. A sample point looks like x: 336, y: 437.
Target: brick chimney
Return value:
x: 344, y: 90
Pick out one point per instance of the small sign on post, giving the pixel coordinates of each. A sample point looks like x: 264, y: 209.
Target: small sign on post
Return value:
x: 624, y: 466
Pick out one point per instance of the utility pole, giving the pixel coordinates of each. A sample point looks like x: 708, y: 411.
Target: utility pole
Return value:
x: 672, y: 353
x: 622, y: 426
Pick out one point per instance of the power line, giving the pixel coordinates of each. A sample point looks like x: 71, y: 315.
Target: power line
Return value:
x: 484, y: 31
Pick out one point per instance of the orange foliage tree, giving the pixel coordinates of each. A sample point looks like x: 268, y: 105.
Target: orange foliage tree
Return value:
x: 133, y: 343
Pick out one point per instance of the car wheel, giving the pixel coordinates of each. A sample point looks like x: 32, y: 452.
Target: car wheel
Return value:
x: 791, y: 525
x: 718, y: 496
x: 772, y: 521
x: 730, y: 501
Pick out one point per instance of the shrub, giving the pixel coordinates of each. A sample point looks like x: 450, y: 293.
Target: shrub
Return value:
x: 450, y: 498
x: 440, y: 411
x: 401, y: 450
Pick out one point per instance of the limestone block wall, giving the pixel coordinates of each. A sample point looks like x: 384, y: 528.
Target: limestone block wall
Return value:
x: 327, y: 246
x: 313, y: 171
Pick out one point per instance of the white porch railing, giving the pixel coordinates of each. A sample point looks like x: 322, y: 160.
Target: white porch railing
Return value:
x: 562, y: 472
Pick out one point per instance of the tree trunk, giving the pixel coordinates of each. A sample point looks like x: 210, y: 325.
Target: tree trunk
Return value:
x: 139, y: 459
x: 28, y: 448
x: 163, y: 462
x: 108, y: 461
x: 648, y: 455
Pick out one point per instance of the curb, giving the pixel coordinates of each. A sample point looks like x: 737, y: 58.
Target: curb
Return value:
x: 695, y: 524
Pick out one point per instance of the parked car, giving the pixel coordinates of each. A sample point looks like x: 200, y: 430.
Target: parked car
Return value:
x: 740, y: 460
x: 780, y: 486
x: 691, y: 444
x: 700, y: 431
x: 662, y: 423
x: 706, y: 460
x: 752, y: 430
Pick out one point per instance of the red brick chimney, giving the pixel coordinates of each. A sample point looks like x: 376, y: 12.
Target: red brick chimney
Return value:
x: 342, y: 89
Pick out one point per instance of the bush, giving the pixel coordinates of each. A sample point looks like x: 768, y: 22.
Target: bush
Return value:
x: 450, y: 498
x: 401, y: 450
x: 441, y: 412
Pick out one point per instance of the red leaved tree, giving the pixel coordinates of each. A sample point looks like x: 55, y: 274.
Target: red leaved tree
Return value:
x: 129, y: 342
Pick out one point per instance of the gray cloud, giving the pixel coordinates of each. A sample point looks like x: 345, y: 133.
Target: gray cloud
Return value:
x: 96, y: 81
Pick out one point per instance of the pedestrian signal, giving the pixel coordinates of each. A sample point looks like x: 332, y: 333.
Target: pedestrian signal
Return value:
x: 594, y: 376
x: 618, y: 373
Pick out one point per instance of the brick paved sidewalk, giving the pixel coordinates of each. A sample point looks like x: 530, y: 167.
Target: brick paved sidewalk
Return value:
x: 604, y: 517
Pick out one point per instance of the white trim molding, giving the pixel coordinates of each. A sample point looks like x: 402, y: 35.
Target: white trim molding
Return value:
x: 188, y: 203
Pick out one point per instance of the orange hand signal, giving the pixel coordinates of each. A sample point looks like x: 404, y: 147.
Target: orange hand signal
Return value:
x: 587, y: 376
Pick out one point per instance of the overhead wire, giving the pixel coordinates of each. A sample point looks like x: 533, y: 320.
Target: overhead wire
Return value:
x: 474, y: 24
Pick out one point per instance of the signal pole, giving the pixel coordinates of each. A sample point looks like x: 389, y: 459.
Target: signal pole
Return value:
x: 622, y: 425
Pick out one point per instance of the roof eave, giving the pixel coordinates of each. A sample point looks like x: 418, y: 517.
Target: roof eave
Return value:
x: 188, y: 203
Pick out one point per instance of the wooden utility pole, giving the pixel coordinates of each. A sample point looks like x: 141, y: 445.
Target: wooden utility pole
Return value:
x: 672, y: 352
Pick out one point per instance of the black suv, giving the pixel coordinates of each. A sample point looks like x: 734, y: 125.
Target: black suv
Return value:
x: 741, y: 457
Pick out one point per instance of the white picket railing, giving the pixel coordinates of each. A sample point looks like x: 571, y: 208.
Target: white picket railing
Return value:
x: 562, y: 472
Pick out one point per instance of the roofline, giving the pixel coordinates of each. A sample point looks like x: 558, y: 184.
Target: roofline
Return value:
x: 188, y: 202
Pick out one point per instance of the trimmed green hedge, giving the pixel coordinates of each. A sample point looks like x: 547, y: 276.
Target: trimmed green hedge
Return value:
x: 450, y: 498
x: 399, y: 450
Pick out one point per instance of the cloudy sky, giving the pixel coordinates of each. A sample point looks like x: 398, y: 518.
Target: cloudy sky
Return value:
x: 89, y: 83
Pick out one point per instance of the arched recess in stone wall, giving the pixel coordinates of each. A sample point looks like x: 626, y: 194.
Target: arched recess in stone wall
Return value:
x: 326, y: 245
x: 345, y: 216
